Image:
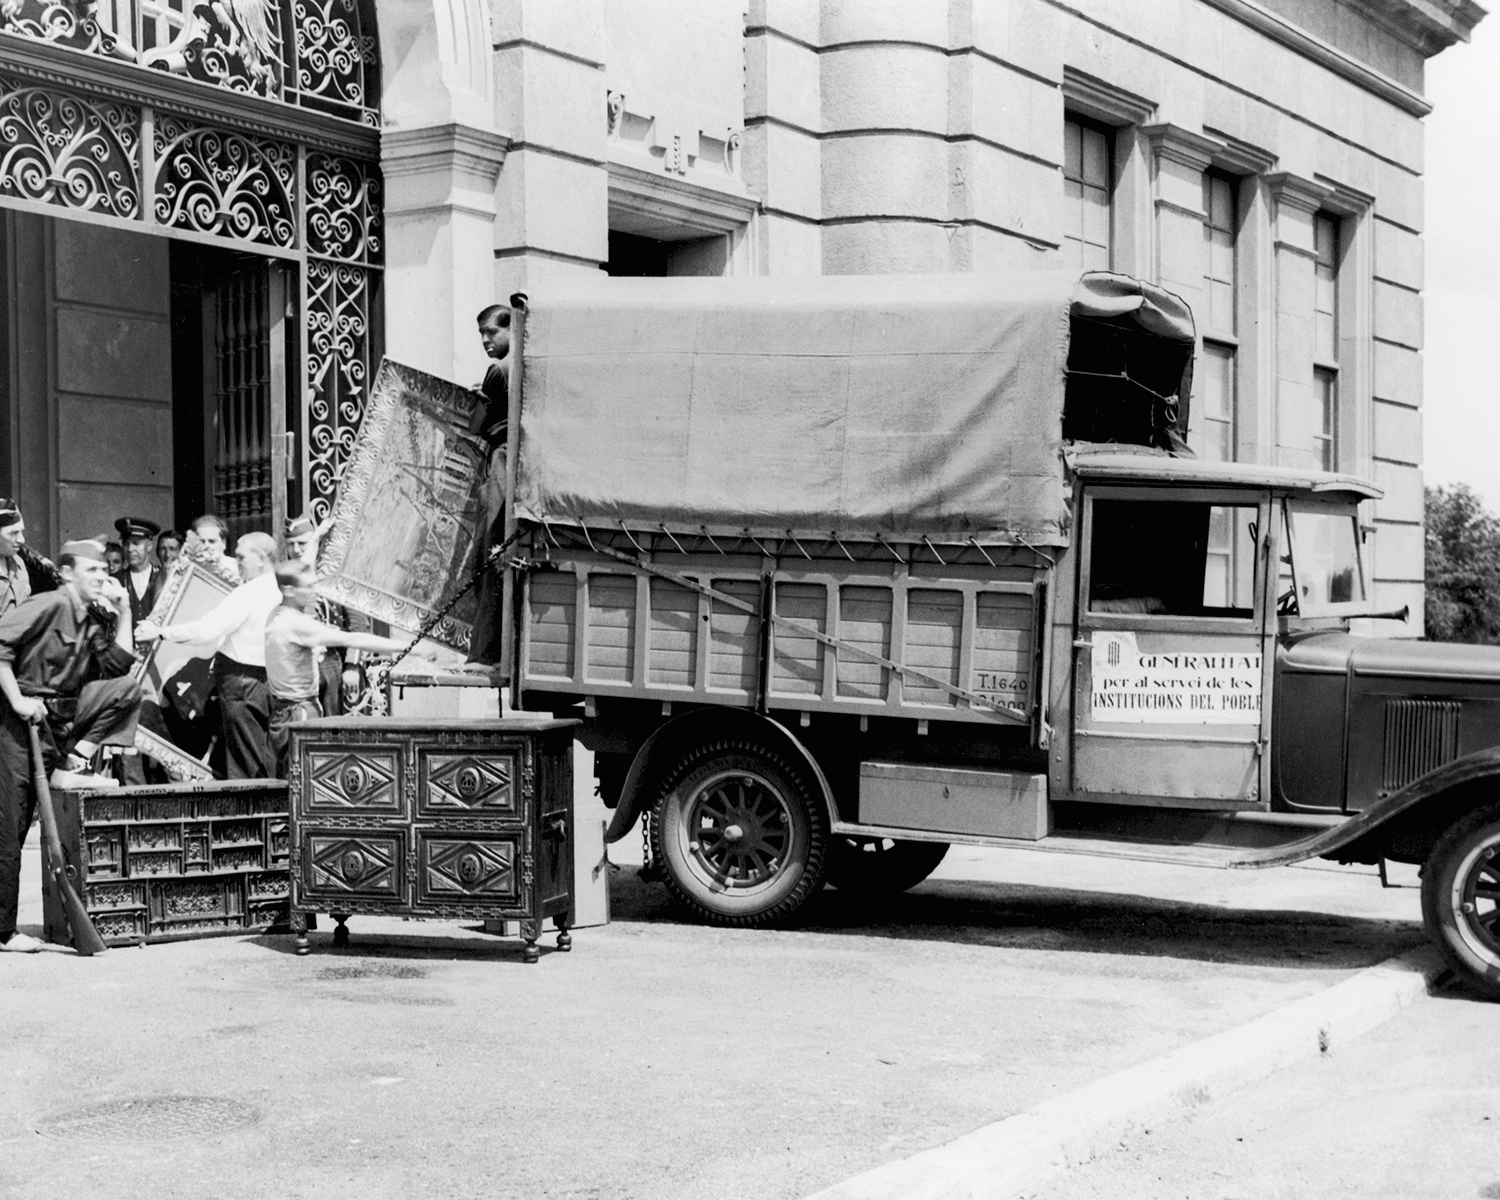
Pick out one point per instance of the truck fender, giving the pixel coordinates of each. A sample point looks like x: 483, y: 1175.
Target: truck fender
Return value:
x: 664, y: 749
x: 1421, y: 810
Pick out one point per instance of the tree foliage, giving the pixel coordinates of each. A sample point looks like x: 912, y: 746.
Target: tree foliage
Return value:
x: 1463, y: 567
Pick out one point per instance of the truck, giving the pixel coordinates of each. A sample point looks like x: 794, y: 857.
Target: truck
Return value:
x: 837, y: 572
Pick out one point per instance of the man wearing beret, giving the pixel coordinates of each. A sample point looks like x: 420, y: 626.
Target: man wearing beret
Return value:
x: 141, y: 578
x: 15, y: 578
x: 65, y: 658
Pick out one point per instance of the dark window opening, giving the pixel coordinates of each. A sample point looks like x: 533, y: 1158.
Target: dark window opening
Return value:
x: 1172, y: 558
x: 631, y: 254
x: 1125, y: 384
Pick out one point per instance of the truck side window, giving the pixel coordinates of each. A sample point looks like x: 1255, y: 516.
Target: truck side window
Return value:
x: 1172, y: 558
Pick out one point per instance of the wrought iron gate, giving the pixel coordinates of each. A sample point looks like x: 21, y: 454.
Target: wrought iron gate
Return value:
x: 253, y: 126
x: 238, y: 312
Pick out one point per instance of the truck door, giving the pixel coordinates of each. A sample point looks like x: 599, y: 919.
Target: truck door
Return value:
x: 1169, y: 647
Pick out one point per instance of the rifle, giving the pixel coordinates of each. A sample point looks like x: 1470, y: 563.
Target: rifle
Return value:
x: 86, y: 939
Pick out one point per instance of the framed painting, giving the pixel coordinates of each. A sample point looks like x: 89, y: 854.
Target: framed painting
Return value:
x: 405, y: 521
x: 174, y: 672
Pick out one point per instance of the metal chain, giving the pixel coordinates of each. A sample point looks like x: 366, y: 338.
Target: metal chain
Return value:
x: 490, y: 561
x: 646, y: 843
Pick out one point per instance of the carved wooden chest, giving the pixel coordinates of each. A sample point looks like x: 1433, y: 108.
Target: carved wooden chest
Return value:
x: 173, y: 860
x: 465, y: 819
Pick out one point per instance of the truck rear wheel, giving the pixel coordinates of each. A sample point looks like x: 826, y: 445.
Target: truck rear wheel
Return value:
x: 741, y: 837
x: 1461, y: 897
x: 870, y: 866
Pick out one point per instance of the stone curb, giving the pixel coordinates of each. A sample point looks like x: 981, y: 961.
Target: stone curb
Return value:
x: 1012, y: 1158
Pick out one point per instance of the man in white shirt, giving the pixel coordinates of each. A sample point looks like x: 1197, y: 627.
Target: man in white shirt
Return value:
x: 238, y: 626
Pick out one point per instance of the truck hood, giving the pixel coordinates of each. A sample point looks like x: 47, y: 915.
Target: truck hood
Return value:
x: 1404, y: 657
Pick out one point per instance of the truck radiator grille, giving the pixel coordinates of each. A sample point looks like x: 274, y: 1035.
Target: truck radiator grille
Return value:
x: 1420, y: 736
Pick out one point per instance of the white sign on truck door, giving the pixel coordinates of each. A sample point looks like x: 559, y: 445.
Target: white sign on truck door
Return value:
x: 1173, y: 687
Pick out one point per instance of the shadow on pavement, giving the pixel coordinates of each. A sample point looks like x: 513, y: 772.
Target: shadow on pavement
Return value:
x: 472, y: 944
x: 1018, y: 916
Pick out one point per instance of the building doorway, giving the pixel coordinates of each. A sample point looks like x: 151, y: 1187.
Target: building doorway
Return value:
x: 233, y: 371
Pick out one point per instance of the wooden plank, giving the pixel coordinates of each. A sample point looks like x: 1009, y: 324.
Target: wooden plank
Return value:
x: 864, y: 621
x: 673, y: 634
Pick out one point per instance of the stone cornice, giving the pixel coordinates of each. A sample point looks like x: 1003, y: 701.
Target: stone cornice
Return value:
x: 452, y: 146
x: 1183, y: 145
x: 665, y: 198
x: 1296, y: 192
x: 1428, y: 26
x: 1297, y: 39
x: 1093, y: 97
x: 1241, y: 158
x: 131, y: 84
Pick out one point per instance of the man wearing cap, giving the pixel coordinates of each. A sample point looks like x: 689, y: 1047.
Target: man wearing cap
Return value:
x: 237, y: 625
x: 15, y: 579
x: 65, y: 658
x: 141, y: 578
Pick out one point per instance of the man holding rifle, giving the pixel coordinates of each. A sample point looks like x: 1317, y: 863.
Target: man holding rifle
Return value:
x: 65, y: 658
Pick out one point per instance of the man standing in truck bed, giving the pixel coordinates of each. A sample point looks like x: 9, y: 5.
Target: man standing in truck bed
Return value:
x: 490, y: 423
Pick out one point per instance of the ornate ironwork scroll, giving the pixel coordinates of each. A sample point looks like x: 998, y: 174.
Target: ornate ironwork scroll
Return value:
x: 335, y: 60
x: 313, y: 53
x: 70, y: 23
x: 237, y: 45
x: 338, y: 371
x: 343, y: 236
x: 64, y: 150
x: 215, y: 181
x: 343, y: 209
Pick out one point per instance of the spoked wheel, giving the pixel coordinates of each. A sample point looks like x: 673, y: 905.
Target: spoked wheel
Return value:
x: 741, y: 838
x: 1461, y: 897
x: 881, y: 866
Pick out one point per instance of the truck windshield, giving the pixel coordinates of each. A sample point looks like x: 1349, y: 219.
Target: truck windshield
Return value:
x: 1324, y: 559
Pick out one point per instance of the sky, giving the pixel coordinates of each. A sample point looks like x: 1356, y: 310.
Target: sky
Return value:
x: 1461, y: 354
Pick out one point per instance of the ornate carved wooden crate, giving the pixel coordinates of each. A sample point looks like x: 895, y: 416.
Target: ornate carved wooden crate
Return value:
x: 174, y: 860
x: 459, y: 819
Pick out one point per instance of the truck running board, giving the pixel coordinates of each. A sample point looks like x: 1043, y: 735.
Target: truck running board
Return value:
x: 1188, y: 838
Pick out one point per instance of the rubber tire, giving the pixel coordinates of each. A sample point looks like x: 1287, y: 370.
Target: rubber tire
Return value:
x: 1446, y: 924
x: 893, y: 868
x: 799, y: 878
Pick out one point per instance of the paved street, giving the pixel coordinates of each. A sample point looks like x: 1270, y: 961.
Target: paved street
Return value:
x: 659, y: 1059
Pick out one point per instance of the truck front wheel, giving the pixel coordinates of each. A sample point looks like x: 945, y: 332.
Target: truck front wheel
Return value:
x: 1461, y: 897
x: 741, y: 837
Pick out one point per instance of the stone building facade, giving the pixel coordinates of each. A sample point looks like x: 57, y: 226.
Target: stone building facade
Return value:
x: 218, y: 215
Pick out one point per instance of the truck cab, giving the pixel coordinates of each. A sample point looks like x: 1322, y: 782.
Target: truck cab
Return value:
x: 1193, y: 585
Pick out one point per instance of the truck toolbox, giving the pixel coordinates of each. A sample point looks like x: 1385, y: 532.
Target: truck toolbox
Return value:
x: 954, y: 800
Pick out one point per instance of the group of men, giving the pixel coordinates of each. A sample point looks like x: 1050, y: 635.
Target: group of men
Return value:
x: 66, y: 657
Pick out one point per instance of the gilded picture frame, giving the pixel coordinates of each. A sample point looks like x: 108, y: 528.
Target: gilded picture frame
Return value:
x: 406, y: 519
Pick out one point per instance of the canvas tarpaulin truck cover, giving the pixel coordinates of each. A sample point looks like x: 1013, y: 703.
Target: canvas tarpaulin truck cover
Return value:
x: 900, y: 406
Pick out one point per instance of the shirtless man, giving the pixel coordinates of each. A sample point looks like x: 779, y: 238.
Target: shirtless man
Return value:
x: 293, y: 639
